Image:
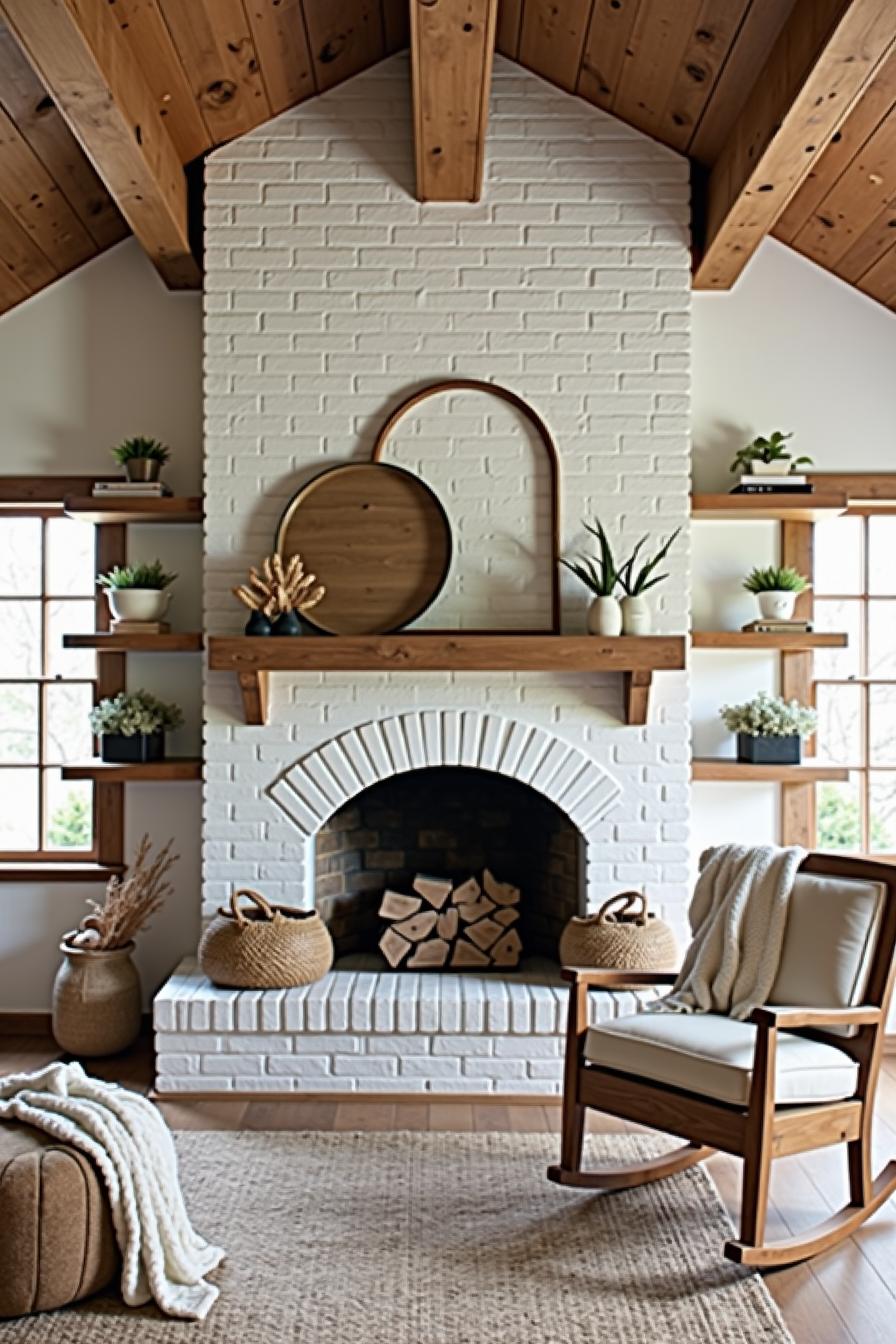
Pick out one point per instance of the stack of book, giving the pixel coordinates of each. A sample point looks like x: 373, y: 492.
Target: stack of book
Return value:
x: 140, y: 628
x: 130, y: 490
x: 793, y: 484
x: 772, y: 627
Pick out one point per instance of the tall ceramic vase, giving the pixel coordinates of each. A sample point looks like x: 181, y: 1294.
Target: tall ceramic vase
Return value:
x: 96, y: 1000
x: 605, y: 617
x: 636, y: 617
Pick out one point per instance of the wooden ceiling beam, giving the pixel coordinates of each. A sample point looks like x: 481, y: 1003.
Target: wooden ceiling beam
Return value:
x: 825, y: 57
x: 452, y: 45
x: 77, y: 49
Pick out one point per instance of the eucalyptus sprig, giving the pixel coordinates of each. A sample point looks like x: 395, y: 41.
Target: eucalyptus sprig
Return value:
x: 600, y: 573
x: 633, y: 582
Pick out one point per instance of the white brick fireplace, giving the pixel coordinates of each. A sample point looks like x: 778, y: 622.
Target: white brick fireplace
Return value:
x: 330, y: 296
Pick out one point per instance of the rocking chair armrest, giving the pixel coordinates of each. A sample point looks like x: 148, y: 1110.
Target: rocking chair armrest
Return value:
x: 789, y: 1019
x: 599, y: 978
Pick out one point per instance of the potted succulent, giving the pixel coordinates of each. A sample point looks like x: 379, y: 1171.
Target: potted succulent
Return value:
x: 141, y: 458
x: 96, y: 994
x: 769, y: 730
x: 776, y: 588
x: 131, y: 726
x: 636, y: 618
x: 601, y: 575
x: 768, y: 456
x: 137, y: 592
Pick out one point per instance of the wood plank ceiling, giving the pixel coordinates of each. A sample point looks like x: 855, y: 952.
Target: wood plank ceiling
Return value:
x: 678, y: 70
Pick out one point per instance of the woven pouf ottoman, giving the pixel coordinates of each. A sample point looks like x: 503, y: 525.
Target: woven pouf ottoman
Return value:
x: 57, y: 1243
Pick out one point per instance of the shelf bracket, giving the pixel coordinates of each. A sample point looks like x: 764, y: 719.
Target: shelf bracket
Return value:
x: 254, y: 688
x: 636, y: 692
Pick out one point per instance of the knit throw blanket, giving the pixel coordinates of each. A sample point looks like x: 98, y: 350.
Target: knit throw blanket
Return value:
x: 124, y: 1134
x: 737, y: 915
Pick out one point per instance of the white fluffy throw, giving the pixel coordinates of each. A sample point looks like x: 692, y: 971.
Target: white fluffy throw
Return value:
x: 124, y: 1134
x: 737, y: 915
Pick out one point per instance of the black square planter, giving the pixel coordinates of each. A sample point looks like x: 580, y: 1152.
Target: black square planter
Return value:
x: 769, y: 750
x: 134, y: 750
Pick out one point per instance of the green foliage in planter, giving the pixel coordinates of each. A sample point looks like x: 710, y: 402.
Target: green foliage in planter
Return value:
x: 132, y: 712
x: 769, y: 449
x: 136, y: 576
x: 599, y: 573
x: 633, y: 582
x: 140, y: 447
x: 776, y: 579
x: 770, y: 716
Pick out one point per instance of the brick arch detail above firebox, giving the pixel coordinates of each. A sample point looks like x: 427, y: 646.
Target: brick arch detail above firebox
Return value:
x: 321, y: 782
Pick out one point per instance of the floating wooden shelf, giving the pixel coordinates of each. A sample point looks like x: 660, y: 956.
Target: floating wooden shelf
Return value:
x: 106, y: 641
x: 168, y: 509
x: 720, y: 769
x: 175, y: 768
x: 812, y: 508
x: 637, y: 658
x: 751, y: 639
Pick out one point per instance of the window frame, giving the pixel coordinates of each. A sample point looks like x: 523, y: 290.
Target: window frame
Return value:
x: 869, y: 496
x: 43, y: 497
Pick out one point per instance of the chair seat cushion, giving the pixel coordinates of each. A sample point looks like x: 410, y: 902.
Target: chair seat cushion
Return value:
x: 713, y: 1056
x: 57, y: 1243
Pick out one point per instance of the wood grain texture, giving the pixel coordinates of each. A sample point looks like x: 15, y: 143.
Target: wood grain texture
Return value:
x: 81, y: 57
x: 452, y: 44
x: 824, y: 503
x: 659, y: 40
x: 552, y: 39
x: 751, y: 639
x: 606, y: 51
x: 172, y: 770
x: 723, y: 769
x: 507, y: 27
x: 345, y: 36
x: 39, y: 207
x: 826, y: 56
x: 214, y: 42
x: 107, y: 642
x: 281, y: 44
x: 168, y: 509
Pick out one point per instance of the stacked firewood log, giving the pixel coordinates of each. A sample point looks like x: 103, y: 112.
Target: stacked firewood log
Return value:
x: 464, y: 927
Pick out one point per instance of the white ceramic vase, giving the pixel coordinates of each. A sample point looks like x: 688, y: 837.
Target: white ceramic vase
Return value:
x: 777, y: 605
x: 760, y: 468
x: 605, y: 616
x: 636, y: 615
x: 138, y: 604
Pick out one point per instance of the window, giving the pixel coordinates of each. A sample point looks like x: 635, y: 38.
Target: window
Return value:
x: 855, y: 591
x: 47, y: 589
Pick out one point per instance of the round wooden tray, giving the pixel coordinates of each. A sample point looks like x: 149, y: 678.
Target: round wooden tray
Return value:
x: 377, y: 537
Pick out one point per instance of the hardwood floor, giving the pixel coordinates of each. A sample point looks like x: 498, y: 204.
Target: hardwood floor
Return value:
x: 845, y: 1297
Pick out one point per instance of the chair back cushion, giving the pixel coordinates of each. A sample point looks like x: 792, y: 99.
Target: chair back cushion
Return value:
x: 829, y: 941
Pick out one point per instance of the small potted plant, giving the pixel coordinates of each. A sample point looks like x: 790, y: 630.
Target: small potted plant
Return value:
x: 137, y: 592
x: 96, y: 995
x: 141, y: 458
x: 776, y: 588
x: 769, y: 730
x: 636, y: 618
x: 768, y: 457
x: 601, y: 575
x: 131, y: 726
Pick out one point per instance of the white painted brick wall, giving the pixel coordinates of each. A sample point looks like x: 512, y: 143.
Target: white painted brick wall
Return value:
x: 330, y: 295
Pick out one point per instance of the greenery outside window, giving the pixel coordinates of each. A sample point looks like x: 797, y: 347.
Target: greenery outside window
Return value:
x: 47, y: 589
x: 855, y: 688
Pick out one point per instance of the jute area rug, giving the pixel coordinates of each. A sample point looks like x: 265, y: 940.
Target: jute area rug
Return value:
x: 439, y: 1239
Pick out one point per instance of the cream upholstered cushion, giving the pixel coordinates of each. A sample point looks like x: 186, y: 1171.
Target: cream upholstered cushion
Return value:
x: 832, y: 926
x: 713, y: 1056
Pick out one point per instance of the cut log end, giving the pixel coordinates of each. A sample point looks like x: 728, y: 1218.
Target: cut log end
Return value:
x: 474, y: 932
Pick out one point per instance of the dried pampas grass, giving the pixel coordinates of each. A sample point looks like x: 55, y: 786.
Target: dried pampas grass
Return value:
x: 130, y: 901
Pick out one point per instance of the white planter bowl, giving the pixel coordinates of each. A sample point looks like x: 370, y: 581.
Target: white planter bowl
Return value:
x: 776, y: 606
x: 782, y: 468
x: 138, y: 604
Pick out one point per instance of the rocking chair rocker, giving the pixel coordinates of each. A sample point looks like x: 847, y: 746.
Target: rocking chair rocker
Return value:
x: 800, y: 1074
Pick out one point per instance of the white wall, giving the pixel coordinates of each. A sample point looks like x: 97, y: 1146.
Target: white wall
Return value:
x: 790, y: 348
x: 104, y: 353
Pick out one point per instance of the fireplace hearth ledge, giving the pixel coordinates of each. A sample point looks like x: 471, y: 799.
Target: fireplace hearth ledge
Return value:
x: 371, y: 1031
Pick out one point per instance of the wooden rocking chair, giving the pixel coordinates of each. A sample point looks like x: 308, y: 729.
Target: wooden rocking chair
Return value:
x: 801, y: 1074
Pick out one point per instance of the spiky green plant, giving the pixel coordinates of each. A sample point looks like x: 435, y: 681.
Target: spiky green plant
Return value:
x: 769, y: 449
x: 634, y: 582
x: 776, y: 579
x: 600, y: 572
x: 139, y: 446
x: 136, y: 576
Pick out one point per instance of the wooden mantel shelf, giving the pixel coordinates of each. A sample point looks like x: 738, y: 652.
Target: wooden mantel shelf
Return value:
x: 637, y: 658
x: 795, y: 508
x: 721, y: 769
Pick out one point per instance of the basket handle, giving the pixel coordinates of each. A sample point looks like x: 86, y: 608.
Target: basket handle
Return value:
x: 629, y: 899
x: 255, y: 896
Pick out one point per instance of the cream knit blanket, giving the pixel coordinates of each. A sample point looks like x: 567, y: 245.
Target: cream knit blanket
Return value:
x: 162, y: 1257
x: 737, y: 915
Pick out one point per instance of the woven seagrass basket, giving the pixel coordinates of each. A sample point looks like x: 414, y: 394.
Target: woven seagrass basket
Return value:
x: 622, y: 936
x: 270, y: 947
